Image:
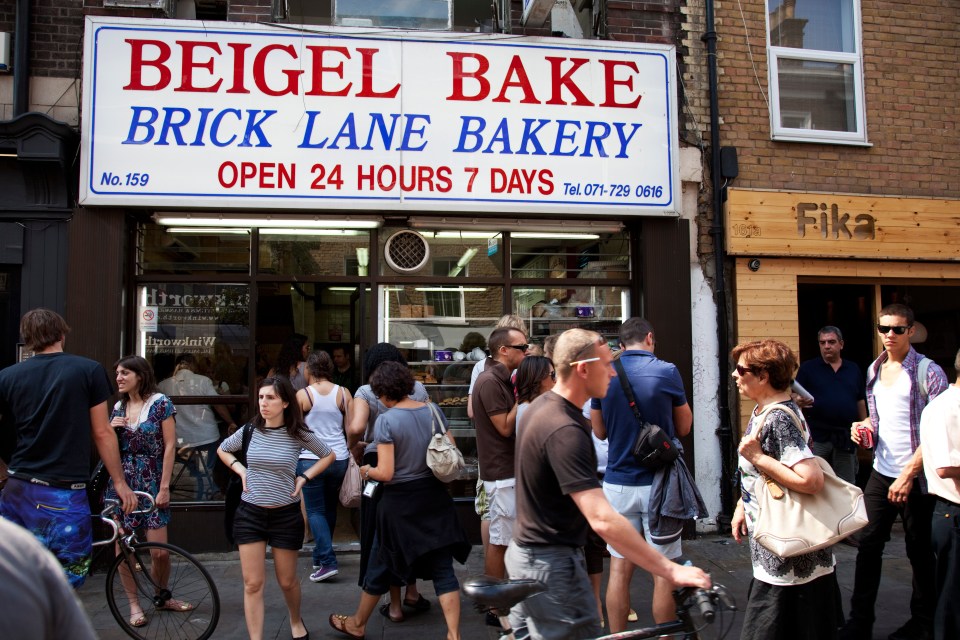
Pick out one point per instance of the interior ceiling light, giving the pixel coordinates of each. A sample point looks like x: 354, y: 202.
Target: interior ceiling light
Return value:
x: 275, y: 222
x: 293, y: 231
x: 210, y: 230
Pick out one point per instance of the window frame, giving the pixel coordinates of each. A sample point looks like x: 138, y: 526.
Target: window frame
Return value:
x: 775, y: 54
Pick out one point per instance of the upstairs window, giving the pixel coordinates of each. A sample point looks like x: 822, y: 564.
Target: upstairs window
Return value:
x: 429, y: 15
x: 816, y: 71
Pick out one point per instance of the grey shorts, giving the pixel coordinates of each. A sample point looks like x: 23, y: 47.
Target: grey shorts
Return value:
x: 567, y: 609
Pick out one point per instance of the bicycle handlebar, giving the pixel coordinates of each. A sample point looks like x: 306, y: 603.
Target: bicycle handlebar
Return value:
x: 112, y: 506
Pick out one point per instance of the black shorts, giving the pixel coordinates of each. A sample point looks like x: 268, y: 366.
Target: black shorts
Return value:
x: 280, y: 527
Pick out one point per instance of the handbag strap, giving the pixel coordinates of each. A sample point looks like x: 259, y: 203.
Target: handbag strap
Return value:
x: 628, y: 390
x: 776, y: 491
x: 435, y: 420
x: 245, y: 442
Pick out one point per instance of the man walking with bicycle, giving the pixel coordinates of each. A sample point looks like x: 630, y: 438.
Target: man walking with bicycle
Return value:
x: 52, y: 406
x: 559, y: 497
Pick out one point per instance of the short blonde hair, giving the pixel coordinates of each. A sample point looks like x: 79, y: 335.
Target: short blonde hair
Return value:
x: 573, y: 344
x: 512, y: 321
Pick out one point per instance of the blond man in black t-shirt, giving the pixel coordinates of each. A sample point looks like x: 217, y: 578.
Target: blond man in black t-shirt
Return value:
x: 559, y: 496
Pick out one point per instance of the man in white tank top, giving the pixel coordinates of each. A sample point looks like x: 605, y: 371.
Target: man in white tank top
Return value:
x: 896, y: 396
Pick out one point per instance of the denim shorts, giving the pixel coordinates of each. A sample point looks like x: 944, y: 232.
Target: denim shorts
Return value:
x: 280, y: 527
x: 631, y: 503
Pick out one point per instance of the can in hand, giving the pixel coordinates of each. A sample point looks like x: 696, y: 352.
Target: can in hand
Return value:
x: 866, y: 436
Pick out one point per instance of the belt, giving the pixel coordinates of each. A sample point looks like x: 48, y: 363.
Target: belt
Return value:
x: 949, y: 503
x: 58, y: 484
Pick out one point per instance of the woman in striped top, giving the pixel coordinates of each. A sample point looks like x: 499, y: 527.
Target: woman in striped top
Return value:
x: 269, y: 511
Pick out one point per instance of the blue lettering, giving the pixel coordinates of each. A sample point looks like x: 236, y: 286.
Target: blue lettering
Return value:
x: 593, y: 137
x: 308, y: 133
x: 378, y: 122
x: 473, y: 127
x: 624, y: 139
x: 530, y: 136
x: 410, y: 130
x: 215, y: 127
x: 502, y: 136
x: 562, y: 135
x: 253, y: 128
x: 201, y: 127
x: 348, y: 131
x: 169, y: 124
x: 136, y: 123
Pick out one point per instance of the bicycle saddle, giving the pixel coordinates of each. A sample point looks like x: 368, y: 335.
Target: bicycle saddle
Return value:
x: 500, y: 594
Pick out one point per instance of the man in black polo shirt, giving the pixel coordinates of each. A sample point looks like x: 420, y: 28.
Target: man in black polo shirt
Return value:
x: 559, y: 496
x: 495, y: 419
x: 839, y: 399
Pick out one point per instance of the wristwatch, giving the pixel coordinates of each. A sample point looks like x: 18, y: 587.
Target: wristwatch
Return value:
x: 304, y: 476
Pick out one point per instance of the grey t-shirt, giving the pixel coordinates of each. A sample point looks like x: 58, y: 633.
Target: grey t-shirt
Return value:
x: 409, y: 431
x: 366, y: 394
x: 37, y: 600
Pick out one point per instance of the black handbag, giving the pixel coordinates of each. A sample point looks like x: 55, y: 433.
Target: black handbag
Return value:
x: 653, y: 448
x: 231, y: 498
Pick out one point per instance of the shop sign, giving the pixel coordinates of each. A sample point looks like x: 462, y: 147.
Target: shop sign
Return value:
x: 782, y: 223
x: 238, y: 115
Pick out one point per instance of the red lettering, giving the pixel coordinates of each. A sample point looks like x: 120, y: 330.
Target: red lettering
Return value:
x: 366, y: 84
x: 259, y: 70
x: 138, y: 62
x: 188, y: 66
x: 319, y: 69
x: 559, y: 79
x: 239, y: 71
x: 522, y: 81
x: 459, y: 74
x: 611, y: 82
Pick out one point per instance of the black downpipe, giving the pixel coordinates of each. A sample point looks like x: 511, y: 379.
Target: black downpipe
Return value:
x: 21, y: 59
x: 724, y: 431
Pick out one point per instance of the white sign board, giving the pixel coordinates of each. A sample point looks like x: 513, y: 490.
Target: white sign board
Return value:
x: 148, y: 319
x: 235, y: 115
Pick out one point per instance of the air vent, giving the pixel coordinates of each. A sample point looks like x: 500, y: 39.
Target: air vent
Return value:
x: 406, y: 251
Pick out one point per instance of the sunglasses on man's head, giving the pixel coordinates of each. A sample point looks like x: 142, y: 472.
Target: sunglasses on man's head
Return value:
x: 897, y: 329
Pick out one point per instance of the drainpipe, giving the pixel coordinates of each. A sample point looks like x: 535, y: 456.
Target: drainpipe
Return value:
x: 724, y: 431
x: 21, y: 59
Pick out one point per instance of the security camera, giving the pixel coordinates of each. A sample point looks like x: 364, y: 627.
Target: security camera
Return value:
x: 754, y: 265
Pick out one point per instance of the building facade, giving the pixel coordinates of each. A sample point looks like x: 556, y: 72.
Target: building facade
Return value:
x: 187, y: 202
x: 848, y: 194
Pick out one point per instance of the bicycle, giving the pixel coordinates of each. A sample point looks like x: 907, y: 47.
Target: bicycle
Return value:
x: 136, y: 576
x: 696, y: 608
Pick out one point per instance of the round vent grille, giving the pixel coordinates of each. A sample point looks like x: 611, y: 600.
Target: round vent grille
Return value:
x: 406, y: 251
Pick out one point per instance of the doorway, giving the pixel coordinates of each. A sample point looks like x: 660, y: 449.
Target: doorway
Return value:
x: 849, y: 307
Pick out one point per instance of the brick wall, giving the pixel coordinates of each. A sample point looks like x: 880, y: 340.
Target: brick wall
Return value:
x: 910, y: 55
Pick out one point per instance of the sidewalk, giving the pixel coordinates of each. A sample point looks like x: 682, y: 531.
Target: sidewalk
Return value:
x: 728, y: 563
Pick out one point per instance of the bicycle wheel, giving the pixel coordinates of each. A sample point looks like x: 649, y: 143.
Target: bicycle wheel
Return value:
x: 187, y: 582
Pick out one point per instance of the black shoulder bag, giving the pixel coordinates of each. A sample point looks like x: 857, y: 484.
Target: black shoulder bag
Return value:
x: 653, y: 447
x: 231, y: 499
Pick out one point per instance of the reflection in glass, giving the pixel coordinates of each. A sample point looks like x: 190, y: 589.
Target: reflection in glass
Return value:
x: 197, y: 251
x: 817, y: 95
x: 300, y: 252
x: 407, y: 14
x: 559, y: 255
x: 822, y: 25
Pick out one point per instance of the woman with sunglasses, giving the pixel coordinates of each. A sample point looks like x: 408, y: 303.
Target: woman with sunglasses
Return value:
x: 535, y: 376
x: 794, y: 597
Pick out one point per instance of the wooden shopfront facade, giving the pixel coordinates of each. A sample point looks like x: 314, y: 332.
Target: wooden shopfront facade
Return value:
x: 803, y: 260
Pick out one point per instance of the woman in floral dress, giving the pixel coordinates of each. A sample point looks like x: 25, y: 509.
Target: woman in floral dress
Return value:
x: 145, y: 425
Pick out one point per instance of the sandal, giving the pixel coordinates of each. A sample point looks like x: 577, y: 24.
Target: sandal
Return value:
x: 138, y: 620
x: 419, y: 605
x: 339, y: 623
x: 385, y: 612
x: 177, y: 605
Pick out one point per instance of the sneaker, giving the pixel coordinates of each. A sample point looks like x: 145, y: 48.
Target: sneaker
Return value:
x: 632, y: 616
x: 322, y: 573
x: 913, y: 629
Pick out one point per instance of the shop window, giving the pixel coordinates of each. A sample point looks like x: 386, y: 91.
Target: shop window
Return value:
x: 454, y: 252
x: 429, y: 15
x: 313, y: 252
x: 196, y: 251
x: 816, y: 73
x: 552, y: 310
x: 196, y: 337
x: 570, y: 255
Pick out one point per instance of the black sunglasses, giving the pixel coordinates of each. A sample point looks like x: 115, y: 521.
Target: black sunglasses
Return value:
x: 518, y: 347
x: 553, y: 375
x: 742, y: 370
x: 897, y: 329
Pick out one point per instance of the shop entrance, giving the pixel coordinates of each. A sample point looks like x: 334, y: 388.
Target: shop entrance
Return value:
x: 9, y: 314
x: 848, y: 307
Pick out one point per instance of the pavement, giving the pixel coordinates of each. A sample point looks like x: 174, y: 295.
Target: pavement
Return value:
x: 727, y: 562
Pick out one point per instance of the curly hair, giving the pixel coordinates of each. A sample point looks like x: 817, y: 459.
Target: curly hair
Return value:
x: 532, y: 371
x: 320, y: 365
x: 292, y: 415
x: 772, y: 357
x: 148, y: 381
x: 392, y: 380
x: 380, y: 353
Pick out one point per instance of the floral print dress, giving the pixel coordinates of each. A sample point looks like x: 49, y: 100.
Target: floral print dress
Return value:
x: 141, y: 454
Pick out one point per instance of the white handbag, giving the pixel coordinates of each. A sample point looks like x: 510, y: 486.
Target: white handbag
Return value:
x: 791, y: 523
x: 443, y: 457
